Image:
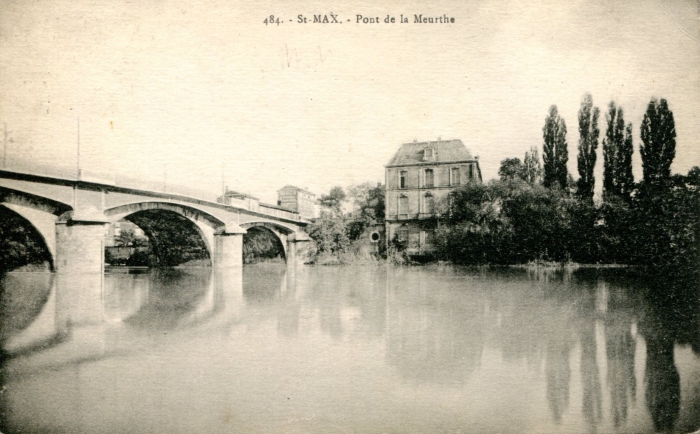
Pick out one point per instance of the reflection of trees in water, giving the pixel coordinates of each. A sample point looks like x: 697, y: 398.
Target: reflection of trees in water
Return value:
x: 663, y: 390
x: 590, y: 374
x: 670, y: 317
x: 172, y: 294
x: 22, y: 297
x: 620, y: 346
x: 558, y: 376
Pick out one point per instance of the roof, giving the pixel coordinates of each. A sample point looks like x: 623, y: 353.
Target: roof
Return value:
x: 295, y: 188
x: 447, y: 151
x: 238, y: 195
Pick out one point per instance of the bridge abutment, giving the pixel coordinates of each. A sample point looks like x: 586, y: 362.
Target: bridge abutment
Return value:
x: 298, y: 249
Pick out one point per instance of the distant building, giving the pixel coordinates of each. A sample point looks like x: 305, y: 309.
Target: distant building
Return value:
x: 418, y: 176
x: 299, y: 200
x: 238, y: 199
x: 115, y: 229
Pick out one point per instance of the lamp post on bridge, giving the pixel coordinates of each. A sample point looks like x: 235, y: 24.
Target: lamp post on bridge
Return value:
x: 4, y: 148
x: 77, y: 160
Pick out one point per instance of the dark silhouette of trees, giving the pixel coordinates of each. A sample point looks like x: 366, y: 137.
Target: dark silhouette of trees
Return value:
x: 617, y: 155
x: 587, y: 145
x: 173, y: 239
x: 555, y: 152
x: 658, y: 148
x: 261, y: 244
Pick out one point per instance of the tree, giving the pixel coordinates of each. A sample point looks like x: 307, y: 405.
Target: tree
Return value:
x: 367, y: 201
x: 587, y: 145
x: 556, y: 154
x: 511, y: 169
x: 658, y: 148
x: 532, y: 169
x: 334, y: 200
x: 125, y: 238
x: 618, y: 179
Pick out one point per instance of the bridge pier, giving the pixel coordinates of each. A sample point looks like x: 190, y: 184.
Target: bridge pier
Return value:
x: 228, y: 249
x: 80, y: 270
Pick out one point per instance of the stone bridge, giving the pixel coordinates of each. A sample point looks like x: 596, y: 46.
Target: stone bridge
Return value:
x: 71, y: 211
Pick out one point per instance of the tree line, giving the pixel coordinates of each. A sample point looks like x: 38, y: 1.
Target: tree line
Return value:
x: 536, y: 212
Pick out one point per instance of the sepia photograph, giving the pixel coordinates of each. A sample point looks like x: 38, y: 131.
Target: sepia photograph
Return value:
x: 228, y: 216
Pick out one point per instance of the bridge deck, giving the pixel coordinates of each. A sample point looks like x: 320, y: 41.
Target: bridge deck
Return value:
x: 84, y: 179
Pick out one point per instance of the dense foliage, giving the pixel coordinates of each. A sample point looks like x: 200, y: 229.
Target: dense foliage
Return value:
x: 20, y: 243
x: 173, y: 239
x: 260, y: 244
x: 508, y: 222
x: 339, y: 235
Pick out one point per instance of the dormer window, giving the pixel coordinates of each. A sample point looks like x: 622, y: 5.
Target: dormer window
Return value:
x: 429, y: 154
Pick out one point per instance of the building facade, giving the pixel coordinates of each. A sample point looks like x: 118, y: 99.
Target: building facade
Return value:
x: 299, y: 200
x: 418, y: 178
x: 235, y: 198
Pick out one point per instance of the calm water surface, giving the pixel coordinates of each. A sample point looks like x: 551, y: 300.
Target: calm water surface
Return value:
x: 348, y: 349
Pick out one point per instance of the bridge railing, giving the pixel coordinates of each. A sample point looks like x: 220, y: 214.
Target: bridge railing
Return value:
x: 276, y: 212
x: 118, y: 180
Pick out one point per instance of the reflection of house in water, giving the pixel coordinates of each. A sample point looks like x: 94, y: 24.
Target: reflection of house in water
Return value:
x: 440, y: 338
x: 419, y: 176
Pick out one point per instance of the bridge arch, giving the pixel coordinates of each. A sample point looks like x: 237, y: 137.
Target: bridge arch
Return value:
x: 205, y: 224
x: 278, y: 235
x: 40, y: 213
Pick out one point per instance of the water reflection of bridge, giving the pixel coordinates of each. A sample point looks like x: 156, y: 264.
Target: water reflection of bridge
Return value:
x: 71, y: 328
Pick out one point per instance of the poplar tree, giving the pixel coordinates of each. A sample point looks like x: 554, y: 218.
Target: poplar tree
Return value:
x: 555, y: 152
x: 617, y: 155
x: 587, y: 145
x: 532, y: 168
x: 658, y: 147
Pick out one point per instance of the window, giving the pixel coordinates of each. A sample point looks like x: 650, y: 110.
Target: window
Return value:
x: 429, y: 178
x: 403, y: 204
x: 429, y: 203
x: 402, y: 234
x: 402, y: 179
x: 454, y: 176
x: 428, y: 154
x: 430, y: 238
x: 471, y: 172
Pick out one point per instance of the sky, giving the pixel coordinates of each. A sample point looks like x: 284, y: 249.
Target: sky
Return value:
x: 202, y: 93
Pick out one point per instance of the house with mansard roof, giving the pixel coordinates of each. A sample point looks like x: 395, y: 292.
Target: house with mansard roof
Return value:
x: 418, y: 177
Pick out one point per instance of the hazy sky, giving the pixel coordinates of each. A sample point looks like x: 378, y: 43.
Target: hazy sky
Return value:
x: 187, y: 87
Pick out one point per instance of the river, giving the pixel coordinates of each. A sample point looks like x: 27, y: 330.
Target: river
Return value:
x: 356, y: 349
